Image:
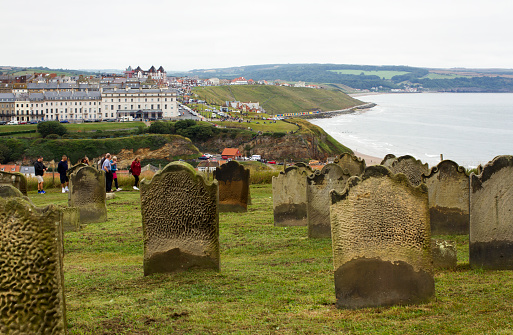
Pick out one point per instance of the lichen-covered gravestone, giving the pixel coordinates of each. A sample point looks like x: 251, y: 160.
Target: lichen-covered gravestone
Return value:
x: 15, y: 179
x: 381, y: 241
x: 87, y: 192
x: 31, y: 274
x: 70, y: 218
x: 180, y: 220
x: 448, y: 193
x: 491, y: 215
x: 319, y: 185
x: 233, y: 181
x: 388, y: 160
x: 354, y: 165
x: 289, y: 197
x: 409, y: 166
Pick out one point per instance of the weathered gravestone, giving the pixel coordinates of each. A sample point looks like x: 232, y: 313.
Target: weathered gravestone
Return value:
x: 354, y: 165
x: 448, y: 192
x: 491, y: 215
x: 388, y: 160
x: 180, y: 220
x: 75, y: 168
x: 289, y: 197
x: 70, y: 219
x: 413, y: 169
x: 233, y: 181
x: 319, y: 185
x: 444, y: 254
x: 9, y: 191
x: 381, y: 241
x: 87, y: 192
x: 15, y: 179
x: 31, y: 274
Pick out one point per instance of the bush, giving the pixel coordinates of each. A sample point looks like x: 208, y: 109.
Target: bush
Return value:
x: 52, y: 136
x: 51, y: 127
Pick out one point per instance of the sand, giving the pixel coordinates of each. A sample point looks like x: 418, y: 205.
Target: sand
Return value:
x: 369, y: 160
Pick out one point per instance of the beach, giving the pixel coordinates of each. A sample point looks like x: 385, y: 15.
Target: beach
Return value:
x: 369, y: 160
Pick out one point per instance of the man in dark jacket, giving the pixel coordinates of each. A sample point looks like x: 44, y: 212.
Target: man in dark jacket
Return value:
x: 62, y: 168
x: 40, y: 169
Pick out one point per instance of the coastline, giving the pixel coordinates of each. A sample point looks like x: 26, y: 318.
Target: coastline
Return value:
x: 369, y: 160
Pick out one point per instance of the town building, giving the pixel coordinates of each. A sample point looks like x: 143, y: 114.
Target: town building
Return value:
x: 7, y: 103
x: 231, y: 153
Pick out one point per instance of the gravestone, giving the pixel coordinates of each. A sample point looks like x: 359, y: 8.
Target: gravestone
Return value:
x: 15, y: 179
x: 233, y: 181
x: 388, y: 160
x: 319, y: 185
x: 31, y: 277
x: 444, y: 254
x: 354, y: 165
x: 87, y: 192
x: 180, y: 220
x: 9, y: 191
x: 491, y: 215
x: 289, y: 197
x: 70, y: 219
x: 75, y: 168
x: 381, y: 241
x: 448, y: 192
x: 409, y: 166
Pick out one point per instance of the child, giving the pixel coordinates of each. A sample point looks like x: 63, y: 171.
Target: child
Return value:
x: 114, y: 168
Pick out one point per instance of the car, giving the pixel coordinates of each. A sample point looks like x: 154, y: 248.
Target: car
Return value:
x: 64, y: 121
x: 33, y: 122
x: 203, y: 157
x: 23, y: 122
x: 12, y: 122
x: 271, y: 162
x: 2, y: 123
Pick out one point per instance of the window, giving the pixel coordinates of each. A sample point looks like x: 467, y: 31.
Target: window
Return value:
x: 111, y: 107
x: 165, y: 106
x: 119, y: 107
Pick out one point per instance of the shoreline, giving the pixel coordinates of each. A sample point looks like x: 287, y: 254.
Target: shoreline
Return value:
x: 369, y: 160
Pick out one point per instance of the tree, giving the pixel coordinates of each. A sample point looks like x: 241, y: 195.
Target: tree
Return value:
x: 51, y: 127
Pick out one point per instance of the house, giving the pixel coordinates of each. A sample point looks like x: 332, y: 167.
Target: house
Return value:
x: 231, y: 153
x: 207, y: 166
x: 28, y: 171
x: 10, y: 168
x: 239, y: 81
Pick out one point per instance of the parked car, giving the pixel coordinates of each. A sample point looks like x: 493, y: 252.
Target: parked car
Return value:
x: 64, y: 121
x: 3, y: 123
x: 12, y: 122
x: 23, y: 122
x: 33, y: 122
x: 271, y: 162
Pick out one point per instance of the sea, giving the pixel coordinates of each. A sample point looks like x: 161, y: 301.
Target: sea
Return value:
x: 468, y: 128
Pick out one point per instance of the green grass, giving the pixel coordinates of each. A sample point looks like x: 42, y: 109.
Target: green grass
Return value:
x: 273, y: 280
x: 278, y: 99
x: 77, y: 127
x: 432, y: 75
x: 381, y: 74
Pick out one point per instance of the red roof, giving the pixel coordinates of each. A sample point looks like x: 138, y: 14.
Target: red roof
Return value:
x: 10, y: 168
x: 231, y: 152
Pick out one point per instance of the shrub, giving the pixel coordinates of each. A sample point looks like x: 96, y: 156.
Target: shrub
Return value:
x: 51, y: 127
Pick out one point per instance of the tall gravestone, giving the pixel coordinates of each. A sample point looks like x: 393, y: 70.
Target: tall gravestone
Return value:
x: 15, y: 179
x: 448, y: 192
x: 87, y: 192
x: 180, y: 220
x: 319, y: 185
x: 354, y: 165
x: 289, y: 197
x: 31, y: 274
x: 233, y: 181
x: 381, y: 241
x: 491, y: 215
x: 409, y: 166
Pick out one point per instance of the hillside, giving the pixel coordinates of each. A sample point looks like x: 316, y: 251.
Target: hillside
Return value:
x: 279, y: 99
x: 370, y: 77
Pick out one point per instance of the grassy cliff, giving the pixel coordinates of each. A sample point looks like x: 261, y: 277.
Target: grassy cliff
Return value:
x: 279, y: 99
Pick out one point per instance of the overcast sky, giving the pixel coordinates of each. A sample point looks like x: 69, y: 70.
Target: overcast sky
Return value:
x: 186, y: 35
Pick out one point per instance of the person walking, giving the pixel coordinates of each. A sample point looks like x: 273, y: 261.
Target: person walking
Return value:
x: 40, y: 169
x: 114, y: 168
x: 62, y: 168
x: 135, y: 167
x: 106, y: 167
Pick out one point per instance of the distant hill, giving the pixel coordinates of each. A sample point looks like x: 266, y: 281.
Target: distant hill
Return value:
x: 279, y: 99
x: 373, y: 77
x: 20, y: 71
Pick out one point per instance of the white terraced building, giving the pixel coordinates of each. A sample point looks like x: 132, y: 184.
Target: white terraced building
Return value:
x: 79, y: 106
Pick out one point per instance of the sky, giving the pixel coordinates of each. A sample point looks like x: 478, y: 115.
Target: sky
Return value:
x: 203, y: 34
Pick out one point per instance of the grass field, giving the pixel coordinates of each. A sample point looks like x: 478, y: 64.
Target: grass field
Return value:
x: 381, y: 74
x: 278, y: 99
x: 273, y: 280
x: 78, y: 127
x: 432, y: 75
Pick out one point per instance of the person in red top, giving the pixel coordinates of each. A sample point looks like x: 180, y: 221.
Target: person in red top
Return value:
x: 136, y: 171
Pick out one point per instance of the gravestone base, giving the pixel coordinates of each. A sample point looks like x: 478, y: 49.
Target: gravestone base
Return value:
x: 289, y: 215
x: 448, y: 221
x: 494, y: 255
x: 226, y: 208
x: 176, y: 260
x: 365, y: 282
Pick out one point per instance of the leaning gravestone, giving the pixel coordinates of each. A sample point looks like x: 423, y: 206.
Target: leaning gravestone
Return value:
x: 491, y: 216
x: 319, y: 185
x: 354, y: 165
x: 289, y: 197
x: 180, y: 220
x: 381, y: 241
x: 233, y: 181
x: 448, y: 193
x: 31, y: 274
x: 15, y: 179
x: 409, y: 166
x: 87, y: 192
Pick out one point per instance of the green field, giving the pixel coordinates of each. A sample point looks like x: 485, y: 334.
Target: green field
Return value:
x: 273, y: 280
x: 78, y: 127
x: 381, y: 74
x: 278, y: 99
x: 432, y: 75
